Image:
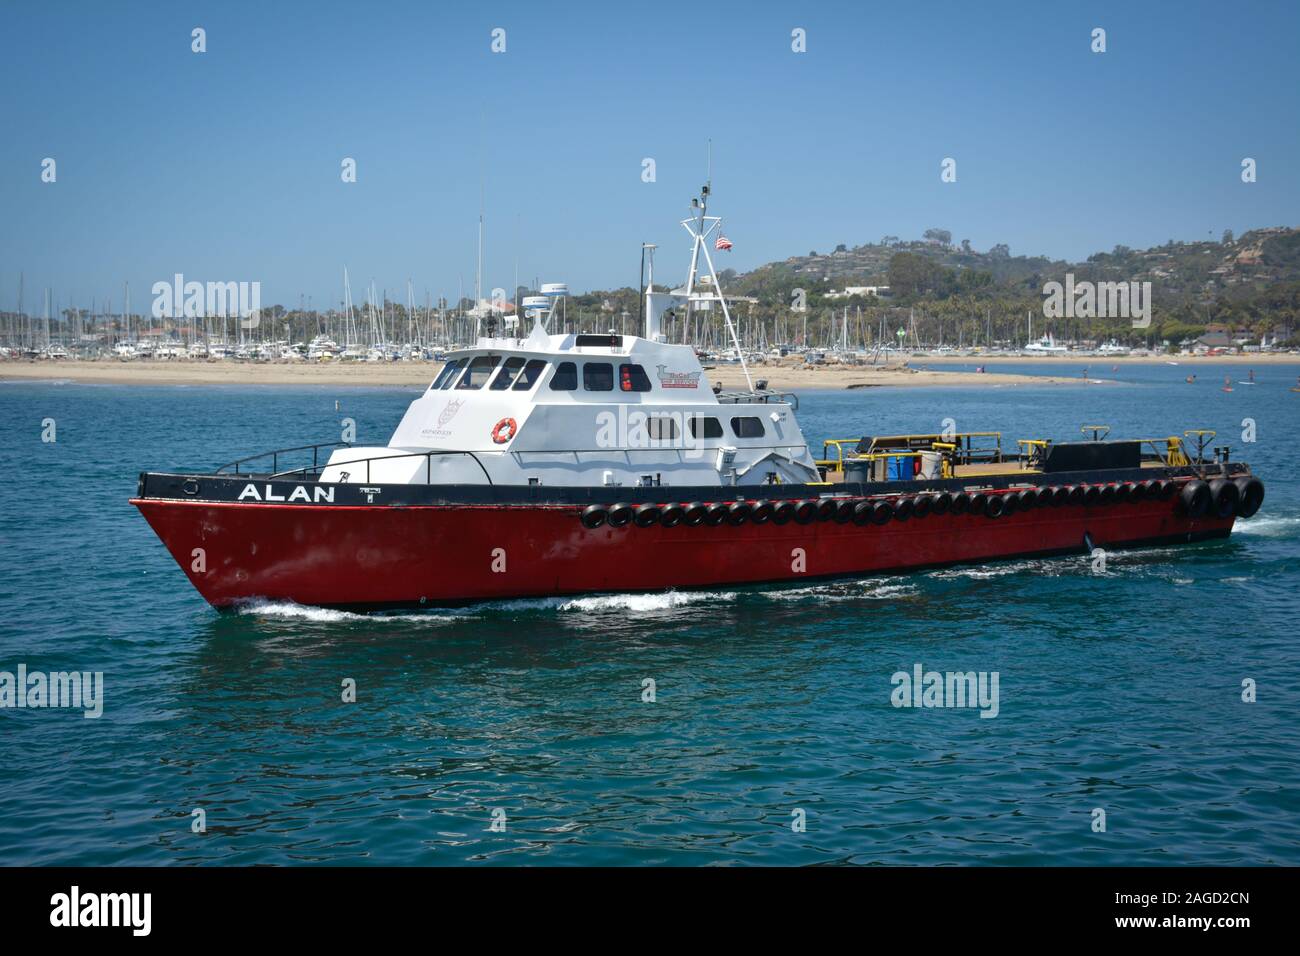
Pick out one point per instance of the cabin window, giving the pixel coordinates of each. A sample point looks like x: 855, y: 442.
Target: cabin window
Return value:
x: 702, y: 427
x: 476, y: 375
x: 598, y: 376
x: 747, y: 427
x: 660, y: 428
x: 529, y: 376
x: 506, y: 375
x: 632, y: 378
x: 447, y: 374
x: 565, y: 378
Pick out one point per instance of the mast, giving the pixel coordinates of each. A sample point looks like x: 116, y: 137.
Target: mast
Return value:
x: 703, y: 226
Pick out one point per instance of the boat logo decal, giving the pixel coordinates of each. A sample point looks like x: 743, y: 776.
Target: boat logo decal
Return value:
x: 449, y: 411
x: 370, y: 494
x: 677, y: 379
x: 318, y: 494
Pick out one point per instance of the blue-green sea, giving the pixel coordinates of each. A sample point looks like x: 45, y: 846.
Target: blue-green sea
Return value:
x: 518, y: 733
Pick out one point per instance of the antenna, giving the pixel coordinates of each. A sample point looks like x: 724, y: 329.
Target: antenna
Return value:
x: 701, y: 226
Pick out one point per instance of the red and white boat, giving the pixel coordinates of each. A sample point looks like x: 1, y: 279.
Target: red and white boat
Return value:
x: 557, y: 464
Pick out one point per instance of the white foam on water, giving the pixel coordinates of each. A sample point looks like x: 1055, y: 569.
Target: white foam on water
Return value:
x: 882, y: 589
x: 291, y: 611
x: 288, y: 610
x: 1271, y: 526
x: 517, y: 604
x: 982, y: 572
x: 642, y: 603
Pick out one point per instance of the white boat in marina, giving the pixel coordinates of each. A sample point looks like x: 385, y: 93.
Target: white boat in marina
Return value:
x: 1046, y: 346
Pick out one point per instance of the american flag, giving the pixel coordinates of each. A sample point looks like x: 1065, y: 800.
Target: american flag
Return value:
x: 722, y: 242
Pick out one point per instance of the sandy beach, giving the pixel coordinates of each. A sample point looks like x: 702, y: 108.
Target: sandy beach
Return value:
x: 422, y: 373
x: 918, y: 371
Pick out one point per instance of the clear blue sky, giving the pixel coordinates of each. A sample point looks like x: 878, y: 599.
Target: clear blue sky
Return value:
x: 225, y: 165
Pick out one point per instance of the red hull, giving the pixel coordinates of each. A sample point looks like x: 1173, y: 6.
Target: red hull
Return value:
x: 388, y: 556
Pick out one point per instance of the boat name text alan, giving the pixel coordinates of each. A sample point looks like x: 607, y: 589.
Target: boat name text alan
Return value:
x: 299, y: 493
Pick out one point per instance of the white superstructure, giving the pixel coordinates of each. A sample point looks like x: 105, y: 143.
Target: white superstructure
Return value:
x: 590, y: 409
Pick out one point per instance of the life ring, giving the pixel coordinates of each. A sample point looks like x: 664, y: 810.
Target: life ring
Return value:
x: 505, y: 430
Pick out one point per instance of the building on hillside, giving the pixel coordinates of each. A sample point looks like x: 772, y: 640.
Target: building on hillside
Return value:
x: 861, y: 290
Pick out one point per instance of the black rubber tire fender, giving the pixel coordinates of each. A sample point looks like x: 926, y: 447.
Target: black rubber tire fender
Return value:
x: 671, y: 516
x: 1251, y: 495
x: 1195, y: 498
x: 1224, y: 498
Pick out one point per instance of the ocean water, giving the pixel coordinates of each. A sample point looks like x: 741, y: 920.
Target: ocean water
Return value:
x: 1118, y: 691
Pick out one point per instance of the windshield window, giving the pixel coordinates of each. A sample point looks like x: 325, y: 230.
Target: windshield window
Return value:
x: 506, y: 375
x: 477, y: 374
x: 529, y: 376
x: 448, y: 373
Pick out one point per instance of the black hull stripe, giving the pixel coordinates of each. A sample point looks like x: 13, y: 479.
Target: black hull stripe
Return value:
x: 158, y: 486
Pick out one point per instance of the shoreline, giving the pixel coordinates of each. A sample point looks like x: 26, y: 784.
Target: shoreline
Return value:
x: 915, y: 372
x: 420, y: 374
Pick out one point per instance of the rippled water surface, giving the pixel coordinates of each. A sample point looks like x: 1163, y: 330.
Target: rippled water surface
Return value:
x: 1119, y: 691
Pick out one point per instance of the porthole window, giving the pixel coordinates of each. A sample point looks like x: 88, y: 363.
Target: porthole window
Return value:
x: 565, y: 378
x: 702, y: 427
x: 661, y: 428
x: 632, y: 378
x: 598, y: 376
